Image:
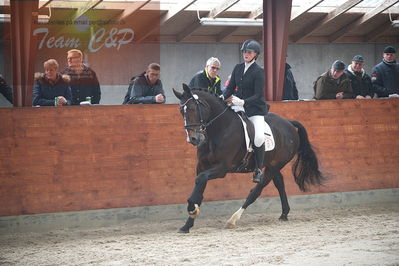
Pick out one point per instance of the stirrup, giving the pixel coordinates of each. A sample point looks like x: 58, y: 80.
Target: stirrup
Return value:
x: 258, y: 175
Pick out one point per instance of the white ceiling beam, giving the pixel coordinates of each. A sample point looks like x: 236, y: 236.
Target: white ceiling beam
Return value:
x: 86, y: 6
x: 304, y: 8
x: 180, y: 7
x: 130, y: 9
x: 43, y: 4
x: 256, y: 13
x: 221, y: 8
x: 327, y: 19
x: 363, y: 19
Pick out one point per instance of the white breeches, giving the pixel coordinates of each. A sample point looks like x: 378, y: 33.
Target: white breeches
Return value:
x: 259, y: 124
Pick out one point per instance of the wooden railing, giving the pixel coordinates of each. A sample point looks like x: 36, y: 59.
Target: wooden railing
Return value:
x: 55, y: 159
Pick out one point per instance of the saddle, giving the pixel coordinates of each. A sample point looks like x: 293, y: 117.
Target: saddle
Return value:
x: 247, y: 163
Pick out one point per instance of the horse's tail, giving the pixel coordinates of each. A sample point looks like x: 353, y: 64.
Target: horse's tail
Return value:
x: 306, y: 166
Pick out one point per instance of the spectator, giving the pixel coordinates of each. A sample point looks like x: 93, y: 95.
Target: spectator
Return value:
x: 147, y: 87
x: 51, y: 85
x: 360, y: 81
x: 249, y: 79
x: 290, y: 92
x: 385, y: 75
x: 208, y: 78
x: 333, y: 84
x: 5, y: 89
x: 84, y: 82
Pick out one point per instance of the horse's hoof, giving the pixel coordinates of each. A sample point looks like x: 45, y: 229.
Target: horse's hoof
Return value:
x: 283, y: 217
x: 183, y: 231
x: 230, y: 226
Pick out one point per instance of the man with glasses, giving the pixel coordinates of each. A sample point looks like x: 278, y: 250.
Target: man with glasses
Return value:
x: 146, y: 87
x: 208, y: 78
x: 84, y: 82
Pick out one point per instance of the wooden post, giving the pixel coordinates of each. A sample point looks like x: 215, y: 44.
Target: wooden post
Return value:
x: 275, y: 39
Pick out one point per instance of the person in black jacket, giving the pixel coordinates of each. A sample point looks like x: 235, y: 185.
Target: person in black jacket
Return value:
x: 147, y: 87
x: 246, y: 92
x: 208, y: 78
x: 360, y: 81
x: 51, y: 85
x: 5, y: 89
x: 84, y: 82
x: 290, y: 92
x: 385, y: 75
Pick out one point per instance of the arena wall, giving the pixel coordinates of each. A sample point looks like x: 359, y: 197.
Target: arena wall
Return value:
x: 55, y: 159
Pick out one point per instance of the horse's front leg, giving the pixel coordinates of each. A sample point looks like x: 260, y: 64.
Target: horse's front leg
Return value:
x: 195, y: 200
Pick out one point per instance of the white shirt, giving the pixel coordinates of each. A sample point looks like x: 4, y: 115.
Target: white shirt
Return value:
x: 247, y: 65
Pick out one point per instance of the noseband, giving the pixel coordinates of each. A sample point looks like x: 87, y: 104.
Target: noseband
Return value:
x: 202, y: 124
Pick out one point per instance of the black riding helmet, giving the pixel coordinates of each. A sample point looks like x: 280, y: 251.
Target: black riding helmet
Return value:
x: 251, y: 45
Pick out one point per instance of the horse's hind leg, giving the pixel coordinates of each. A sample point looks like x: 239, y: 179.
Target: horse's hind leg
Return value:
x: 252, y: 196
x: 279, y: 183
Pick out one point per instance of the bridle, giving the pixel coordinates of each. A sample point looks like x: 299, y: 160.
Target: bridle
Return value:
x: 201, y: 124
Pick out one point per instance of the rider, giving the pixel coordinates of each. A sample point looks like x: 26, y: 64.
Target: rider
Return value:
x: 249, y: 79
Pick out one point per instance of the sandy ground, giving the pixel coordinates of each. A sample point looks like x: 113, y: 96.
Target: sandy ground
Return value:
x: 357, y: 235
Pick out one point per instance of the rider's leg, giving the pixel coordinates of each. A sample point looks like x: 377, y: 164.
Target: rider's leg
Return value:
x: 259, y: 149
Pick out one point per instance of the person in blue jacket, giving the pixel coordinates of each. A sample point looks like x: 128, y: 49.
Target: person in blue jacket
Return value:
x: 385, y: 75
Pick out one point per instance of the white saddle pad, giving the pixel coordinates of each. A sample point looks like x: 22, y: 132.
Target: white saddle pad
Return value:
x: 269, y: 138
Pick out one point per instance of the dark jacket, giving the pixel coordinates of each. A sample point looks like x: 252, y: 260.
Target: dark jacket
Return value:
x: 140, y: 91
x: 361, y: 84
x: 5, y: 89
x: 84, y: 85
x: 44, y: 92
x: 290, y: 92
x: 202, y: 80
x: 250, y: 88
x: 385, y: 78
x: 326, y: 88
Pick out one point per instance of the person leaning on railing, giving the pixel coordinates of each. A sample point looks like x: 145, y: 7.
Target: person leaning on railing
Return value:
x: 385, y: 75
x: 333, y: 84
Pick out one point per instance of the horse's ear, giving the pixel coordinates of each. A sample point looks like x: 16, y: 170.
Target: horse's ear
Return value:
x: 177, y: 94
x: 187, y: 89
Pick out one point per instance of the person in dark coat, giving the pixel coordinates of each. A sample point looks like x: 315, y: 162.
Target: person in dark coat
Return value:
x: 51, y: 85
x: 290, y: 92
x: 208, y: 78
x: 333, y: 84
x: 246, y: 92
x: 84, y: 82
x: 385, y: 75
x: 147, y: 87
x: 5, y: 89
x: 360, y: 81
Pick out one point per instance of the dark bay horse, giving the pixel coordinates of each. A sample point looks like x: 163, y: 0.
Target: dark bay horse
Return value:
x: 218, y: 133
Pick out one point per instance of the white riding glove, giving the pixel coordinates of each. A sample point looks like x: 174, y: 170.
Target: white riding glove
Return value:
x: 237, y: 101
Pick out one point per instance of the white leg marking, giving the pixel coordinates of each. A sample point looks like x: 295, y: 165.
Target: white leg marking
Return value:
x: 231, y: 223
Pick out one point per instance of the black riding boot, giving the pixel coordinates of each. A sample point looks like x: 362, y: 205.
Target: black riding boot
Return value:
x: 259, y: 156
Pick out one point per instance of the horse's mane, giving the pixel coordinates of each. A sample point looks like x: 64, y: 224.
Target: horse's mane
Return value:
x: 210, y: 93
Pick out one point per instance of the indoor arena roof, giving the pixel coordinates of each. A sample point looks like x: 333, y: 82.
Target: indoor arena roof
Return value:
x: 312, y: 21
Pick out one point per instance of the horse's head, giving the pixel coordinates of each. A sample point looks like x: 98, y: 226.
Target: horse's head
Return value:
x: 196, y: 112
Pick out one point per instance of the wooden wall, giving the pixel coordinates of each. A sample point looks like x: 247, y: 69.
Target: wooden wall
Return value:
x: 55, y: 159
